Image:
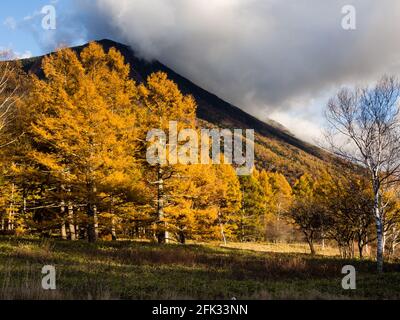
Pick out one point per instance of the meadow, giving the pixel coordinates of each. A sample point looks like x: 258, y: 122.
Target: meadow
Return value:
x: 138, y: 270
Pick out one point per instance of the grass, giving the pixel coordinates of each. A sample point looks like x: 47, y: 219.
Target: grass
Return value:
x: 133, y: 270
x: 301, y: 248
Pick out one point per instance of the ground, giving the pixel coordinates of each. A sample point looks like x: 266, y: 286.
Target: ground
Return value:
x: 135, y: 270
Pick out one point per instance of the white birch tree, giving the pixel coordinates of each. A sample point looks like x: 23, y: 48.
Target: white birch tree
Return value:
x: 8, y: 97
x: 364, y: 128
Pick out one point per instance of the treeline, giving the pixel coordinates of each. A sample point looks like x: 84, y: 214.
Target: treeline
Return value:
x: 73, y: 159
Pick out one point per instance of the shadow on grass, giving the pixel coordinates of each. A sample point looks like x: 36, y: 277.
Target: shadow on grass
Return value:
x: 134, y: 270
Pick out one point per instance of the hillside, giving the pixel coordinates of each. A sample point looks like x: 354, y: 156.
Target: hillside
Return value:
x: 276, y: 149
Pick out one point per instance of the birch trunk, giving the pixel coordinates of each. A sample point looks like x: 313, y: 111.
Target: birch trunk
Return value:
x: 379, y: 230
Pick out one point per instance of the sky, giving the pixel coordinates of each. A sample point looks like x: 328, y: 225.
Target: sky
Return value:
x: 278, y: 59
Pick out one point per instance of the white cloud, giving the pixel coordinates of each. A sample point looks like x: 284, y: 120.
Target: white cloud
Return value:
x: 10, y: 54
x: 25, y: 55
x: 304, y: 127
x: 10, y: 23
x: 264, y: 56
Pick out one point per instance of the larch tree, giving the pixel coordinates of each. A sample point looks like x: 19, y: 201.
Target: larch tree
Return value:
x: 162, y: 103
x: 278, y: 199
x: 227, y: 199
x: 84, y: 132
x: 189, y: 215
x: 254, y: 207
x: 281, y: 194
x: 364, y: 128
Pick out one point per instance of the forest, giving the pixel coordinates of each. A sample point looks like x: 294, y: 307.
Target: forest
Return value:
x: 73, y: 167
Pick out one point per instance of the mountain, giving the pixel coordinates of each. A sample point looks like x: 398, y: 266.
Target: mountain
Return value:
x: 276, y: 148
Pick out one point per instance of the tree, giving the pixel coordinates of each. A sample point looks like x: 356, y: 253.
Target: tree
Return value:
x: 227, y: 199
x: 364, y: 128
x: 12, y: 86
x: 348, y: 203
x: 278, y: 197
x: 9, y: 96
x: 189, y: 214
x: 306, y: 212
x: 391, y: 237
x: 84, y: 133
x: 252, y: 214
x: 162, y: 103
x: 281, y: 193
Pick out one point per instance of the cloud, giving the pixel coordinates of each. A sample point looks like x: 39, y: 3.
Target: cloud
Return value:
x: 10, y: 54
x: 10, y: 23
x: 300, y: 125
x: 25, y: 55
x: 265, y: 56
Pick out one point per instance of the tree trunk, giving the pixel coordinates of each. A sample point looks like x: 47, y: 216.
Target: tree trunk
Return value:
x: 93, y: 224
x: 312, y: 249
x: 63, y: 231
x: 77, y: 232
x: 223, y: 233
x: 71, y: 222
x: 379, y: 245
x: 310, y: 242
x: 379, y: 230
x: 93, y: 227
x: 63, y: 226
x: 394, y: 241
x: 11, y: 212
x: 360, y: 249
x: 182, y: 237
x: 162, y: 236
x: 113, y: 230
x: 10, y: 225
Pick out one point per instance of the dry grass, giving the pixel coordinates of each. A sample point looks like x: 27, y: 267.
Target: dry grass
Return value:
x: 301, y: 248
x: 134, y: 270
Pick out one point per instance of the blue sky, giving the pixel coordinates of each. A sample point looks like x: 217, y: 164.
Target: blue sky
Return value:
x: 20, y: 25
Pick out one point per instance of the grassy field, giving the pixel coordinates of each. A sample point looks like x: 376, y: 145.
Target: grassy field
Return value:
x: 132, y: 270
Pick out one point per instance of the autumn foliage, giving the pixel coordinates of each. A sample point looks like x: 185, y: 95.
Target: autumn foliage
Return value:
x: 76, y: 168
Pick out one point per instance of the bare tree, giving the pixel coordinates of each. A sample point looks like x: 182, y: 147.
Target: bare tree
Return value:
x: 364, y: 128
x: 8, y: 97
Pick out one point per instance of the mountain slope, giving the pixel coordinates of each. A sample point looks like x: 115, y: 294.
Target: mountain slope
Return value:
x: 276, y: 149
